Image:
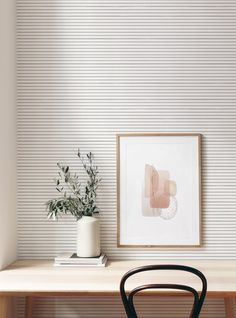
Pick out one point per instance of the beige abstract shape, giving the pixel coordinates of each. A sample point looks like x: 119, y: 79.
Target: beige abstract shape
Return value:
x: 170, y: 187
x: 148, y: 180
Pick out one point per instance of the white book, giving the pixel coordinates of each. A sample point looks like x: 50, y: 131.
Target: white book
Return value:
x: 103, y: 264
x: 68, y: 258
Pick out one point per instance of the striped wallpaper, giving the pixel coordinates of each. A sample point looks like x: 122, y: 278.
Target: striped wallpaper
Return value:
x: 88, y: 70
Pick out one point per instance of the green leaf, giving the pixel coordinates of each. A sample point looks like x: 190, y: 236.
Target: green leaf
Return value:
x: 81, y: 196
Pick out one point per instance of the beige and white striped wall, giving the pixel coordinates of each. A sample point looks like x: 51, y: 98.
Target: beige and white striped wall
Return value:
x: 88, y: 70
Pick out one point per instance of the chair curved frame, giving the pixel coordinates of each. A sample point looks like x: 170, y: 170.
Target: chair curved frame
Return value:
x: 128, y: 298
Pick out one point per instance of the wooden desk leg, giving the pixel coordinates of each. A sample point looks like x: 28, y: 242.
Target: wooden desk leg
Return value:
x: 229, y: 307
x: 7, y: 307
x: 29, y: 303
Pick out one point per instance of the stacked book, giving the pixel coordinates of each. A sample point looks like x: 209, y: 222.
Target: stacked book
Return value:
x: 69, y: 259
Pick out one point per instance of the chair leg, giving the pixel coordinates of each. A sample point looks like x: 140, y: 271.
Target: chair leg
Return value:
x: 29, y: 303
x: 229, y: 307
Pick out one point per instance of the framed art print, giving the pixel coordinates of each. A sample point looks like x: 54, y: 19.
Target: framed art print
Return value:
x: 158, y: 187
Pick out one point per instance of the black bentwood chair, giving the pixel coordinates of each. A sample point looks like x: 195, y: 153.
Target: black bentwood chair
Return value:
x: 128, y: 298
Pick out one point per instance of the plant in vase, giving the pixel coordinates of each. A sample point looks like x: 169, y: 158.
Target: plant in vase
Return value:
x: 79, y: 199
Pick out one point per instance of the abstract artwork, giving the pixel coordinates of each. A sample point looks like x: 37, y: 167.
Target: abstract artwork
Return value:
x: 158, y: 190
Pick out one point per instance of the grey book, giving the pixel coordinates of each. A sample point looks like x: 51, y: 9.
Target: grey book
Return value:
x: 66, y: 264
x: 68, y: 258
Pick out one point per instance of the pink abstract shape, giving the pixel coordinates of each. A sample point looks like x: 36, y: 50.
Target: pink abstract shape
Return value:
x: 158, y: 193
x: 154, y: 182
x: 164, y: 177
x: 161, y: 201
x: 146, y: 208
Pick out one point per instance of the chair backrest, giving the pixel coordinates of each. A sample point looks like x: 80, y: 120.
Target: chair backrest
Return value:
x: 128, y: 297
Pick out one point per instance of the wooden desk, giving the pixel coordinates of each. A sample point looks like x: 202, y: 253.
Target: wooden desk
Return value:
x: 40, y: 279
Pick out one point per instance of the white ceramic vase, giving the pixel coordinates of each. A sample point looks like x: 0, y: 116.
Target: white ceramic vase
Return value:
x: 88, y: 237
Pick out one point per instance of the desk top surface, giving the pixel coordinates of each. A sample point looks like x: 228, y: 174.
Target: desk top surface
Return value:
x: 40, y: 278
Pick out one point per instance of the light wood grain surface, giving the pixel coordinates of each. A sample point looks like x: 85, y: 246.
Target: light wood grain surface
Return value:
x: 37, y: 277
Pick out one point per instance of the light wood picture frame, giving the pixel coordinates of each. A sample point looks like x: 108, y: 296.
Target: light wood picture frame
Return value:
x: 159, y: 190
